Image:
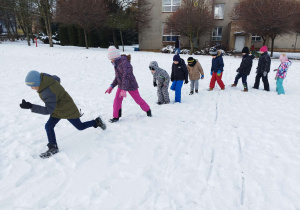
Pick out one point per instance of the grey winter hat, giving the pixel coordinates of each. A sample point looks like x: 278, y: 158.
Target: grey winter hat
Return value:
x: 213, y: 51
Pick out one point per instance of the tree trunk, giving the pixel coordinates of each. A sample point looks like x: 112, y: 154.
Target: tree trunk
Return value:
x: 85, y: 39
x: 27, y: 35
x: 192, y: 45
x: 122, y: 39
x: 272, y: 46
x: 49, y: 32
x: 295, y: 46
x: 115, y: 39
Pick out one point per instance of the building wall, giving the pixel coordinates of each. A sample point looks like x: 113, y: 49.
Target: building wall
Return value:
x: 151, y: 38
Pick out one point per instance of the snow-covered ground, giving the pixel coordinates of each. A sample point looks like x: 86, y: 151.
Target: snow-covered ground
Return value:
x: 216, y: 150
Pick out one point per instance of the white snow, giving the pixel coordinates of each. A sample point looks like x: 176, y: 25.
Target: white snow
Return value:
x: 215, y: 150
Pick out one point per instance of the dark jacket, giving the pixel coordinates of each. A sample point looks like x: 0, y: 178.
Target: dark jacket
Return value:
x: 177, y: 45
x: 58, y: 102
x: 217, y: 63
x: 246, y: 64
x: 264, y: 63
x: 179, y: 71
x: 124, y: 74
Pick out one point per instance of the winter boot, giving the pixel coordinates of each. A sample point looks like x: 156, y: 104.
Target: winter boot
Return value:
x: 191, y: 93
x: 233, y: 85
x: 100, y: 123
x: 120, y: 113
x: 196, y: 91
x: 160, y: 103
x: 53, y: 149
x: 223, y: 88
x: 210, y: 89
x: 149, y: 114
x: 245, y: 90
x: 113, y: 120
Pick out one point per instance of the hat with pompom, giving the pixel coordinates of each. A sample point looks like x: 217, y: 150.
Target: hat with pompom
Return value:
x: 113, y: 53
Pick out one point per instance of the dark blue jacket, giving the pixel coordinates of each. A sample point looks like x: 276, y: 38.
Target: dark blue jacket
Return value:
x: 217, y: 63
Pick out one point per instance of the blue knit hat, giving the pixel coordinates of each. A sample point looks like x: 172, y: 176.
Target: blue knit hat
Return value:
x: 176, y: 58
x: 33, y: 79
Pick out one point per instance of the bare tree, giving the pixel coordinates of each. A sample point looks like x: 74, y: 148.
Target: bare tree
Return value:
x: 7, y: 13
x: 46, y: 9
x: 194, y: 18
x: 88, y: 14
x: 141, y: 10
x: 268, y: 18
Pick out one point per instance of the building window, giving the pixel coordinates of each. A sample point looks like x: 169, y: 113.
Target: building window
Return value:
x: 171, y: 5
x: 168, y: 35
x: 219, y: 11
x: 217, y: 34
x: 256, y: 38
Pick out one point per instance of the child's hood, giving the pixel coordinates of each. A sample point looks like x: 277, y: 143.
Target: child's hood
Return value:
x: 47, y: 80
x: 155, y: 66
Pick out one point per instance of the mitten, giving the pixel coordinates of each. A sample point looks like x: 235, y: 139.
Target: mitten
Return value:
x: 202, y: 76
x: 25, y: 105
x: 154, y: 84
x: 219, y: 73
x: 211, y: 72
x: 123, y: 93
x: 109, y: 90
x: 186, y: 81
x: 237, y: 70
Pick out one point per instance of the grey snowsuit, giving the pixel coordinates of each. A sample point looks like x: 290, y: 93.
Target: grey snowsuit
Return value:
x: 163, y: 80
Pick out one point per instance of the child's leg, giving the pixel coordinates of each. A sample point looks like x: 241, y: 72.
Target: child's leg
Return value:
x: 244, y: 80
x: 237, y: 77
x: 137, y: 98
x: 117, y: 104
x: 219, y: 81
x: 266, y: 83
x: 192, y: 85
x: 50, y: 129
x: 213, y: 80
x: 178, y: 90
x: 196, y: 84
x: 257, y: 80
x: 160, y: 94
x: 173, y: 86
x: 165, y: 93
x: 279, y: 85
x: 80, y: 125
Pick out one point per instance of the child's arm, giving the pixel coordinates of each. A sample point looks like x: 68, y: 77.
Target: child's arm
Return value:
x: 200, y: 69
x: 49, y: 99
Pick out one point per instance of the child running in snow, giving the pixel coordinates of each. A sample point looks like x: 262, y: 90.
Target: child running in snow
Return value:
x: 195, y: 69
x: 281, y: 73
x: 59, y: 105
x: 163, y: 80
x: 178, y: 75
x: 244, y: 69
x: 216, y: 69
x: 126, y: 82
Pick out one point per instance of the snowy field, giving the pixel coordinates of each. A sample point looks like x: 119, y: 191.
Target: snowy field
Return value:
x: 220, y: 150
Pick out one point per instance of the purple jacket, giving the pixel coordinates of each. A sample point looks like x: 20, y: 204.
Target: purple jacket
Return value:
x: 124, y: 75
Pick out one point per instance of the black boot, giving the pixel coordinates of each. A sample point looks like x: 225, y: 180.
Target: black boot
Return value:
x: 113, y: 120
x: 160, y: 103
x: 100, y: 123
x: 196, y: 91
x: 191, y: 93
x: 120, y: 113
x: 149, y: 114
x: 53, y: 149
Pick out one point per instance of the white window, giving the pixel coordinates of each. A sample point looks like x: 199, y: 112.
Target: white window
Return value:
x: 217, y: 34
x: 171, y: 5
x: 256, y: 38
x: 219, y: 11
x: 168, y: 35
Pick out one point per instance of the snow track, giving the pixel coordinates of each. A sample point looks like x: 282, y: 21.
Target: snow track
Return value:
x: 216, y: 150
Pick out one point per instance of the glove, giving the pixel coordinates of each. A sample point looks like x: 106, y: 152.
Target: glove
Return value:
x: 123, y: 93
x: 219, y: 73
x: 109, y: 90
x: 185, y: 82
x: 25, y: 105
x: 154, y: 84
x: 237, y: 70
x: 265, y: 73
x: 202, y: 76
x: 211, y: 72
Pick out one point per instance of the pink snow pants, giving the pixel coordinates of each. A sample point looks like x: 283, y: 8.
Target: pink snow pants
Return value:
x: 137, y: 98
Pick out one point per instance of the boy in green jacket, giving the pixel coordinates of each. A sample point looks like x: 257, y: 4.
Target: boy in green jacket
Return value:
x: 59, y: 105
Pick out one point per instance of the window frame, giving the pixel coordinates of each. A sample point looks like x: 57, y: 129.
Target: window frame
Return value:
x: 217, y: 17
x: 256, y: 37
x: 171, y: 35
x: 215, y: 38
x: 172, y: 5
